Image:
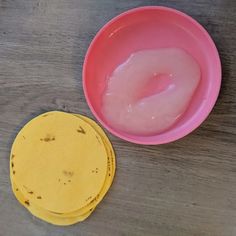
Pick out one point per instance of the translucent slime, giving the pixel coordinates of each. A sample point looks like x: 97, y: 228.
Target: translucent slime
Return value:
x: 150, y: 91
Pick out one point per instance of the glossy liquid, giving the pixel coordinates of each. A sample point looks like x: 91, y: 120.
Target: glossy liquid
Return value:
x: 150, y: 91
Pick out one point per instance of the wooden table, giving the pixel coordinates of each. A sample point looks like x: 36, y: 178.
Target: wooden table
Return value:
x: 184, y: 188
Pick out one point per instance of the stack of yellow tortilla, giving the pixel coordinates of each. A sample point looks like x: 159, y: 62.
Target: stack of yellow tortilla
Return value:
x: 61, y: 166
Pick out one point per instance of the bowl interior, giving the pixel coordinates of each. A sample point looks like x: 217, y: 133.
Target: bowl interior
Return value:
x: 149, y: 28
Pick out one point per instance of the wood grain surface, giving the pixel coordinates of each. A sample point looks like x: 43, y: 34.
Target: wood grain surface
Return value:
x: 186, y: 188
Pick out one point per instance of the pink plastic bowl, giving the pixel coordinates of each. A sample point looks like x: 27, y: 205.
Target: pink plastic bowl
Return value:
x: 148, y: 28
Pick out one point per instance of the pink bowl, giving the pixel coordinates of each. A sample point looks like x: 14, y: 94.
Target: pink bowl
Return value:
x: 148, y: 28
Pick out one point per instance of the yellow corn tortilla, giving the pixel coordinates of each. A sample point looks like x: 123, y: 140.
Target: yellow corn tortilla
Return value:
x: 58, y: 162
x: 110, y: 171
x: 59, y: 217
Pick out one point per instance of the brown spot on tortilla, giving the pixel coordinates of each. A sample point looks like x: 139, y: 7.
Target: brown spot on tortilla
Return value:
x: 27, y: 202
x: 23, y: 137
x: 58, y: 213
x: 12, y: 164
x: 81, y: 130
x: 68, y: 173
x: 90, y: 197
x: 27, y: 189
x: 17, y: 189
x: 48, y: 138
x: 12, y: 156
x: 13, y: 172
x: 92, y: 201
x: 39, y: 197
x: 30, y: 192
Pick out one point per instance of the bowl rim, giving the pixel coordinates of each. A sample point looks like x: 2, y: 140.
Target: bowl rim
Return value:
x: 204, y: 113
